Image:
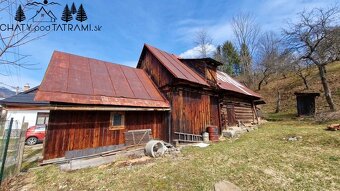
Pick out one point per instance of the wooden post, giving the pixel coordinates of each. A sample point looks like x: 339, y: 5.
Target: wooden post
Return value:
x: 278, y: 102
x: 4, y: 156
x: 21, y: 146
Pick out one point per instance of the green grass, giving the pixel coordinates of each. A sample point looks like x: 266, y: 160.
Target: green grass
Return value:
x: 259, y: 160
x: 30, y: 153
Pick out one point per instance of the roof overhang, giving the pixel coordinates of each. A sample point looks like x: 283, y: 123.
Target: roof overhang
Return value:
x: 209, y: 60
x: 314, y: 94
x: 55, y: 107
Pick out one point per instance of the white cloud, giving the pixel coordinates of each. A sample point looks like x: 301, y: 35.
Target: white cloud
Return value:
x: 132, y: 63
x: 195, y: 52
x: 219, y: 31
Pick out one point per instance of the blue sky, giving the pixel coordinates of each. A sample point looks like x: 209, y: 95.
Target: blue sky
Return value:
x: 167, y: 24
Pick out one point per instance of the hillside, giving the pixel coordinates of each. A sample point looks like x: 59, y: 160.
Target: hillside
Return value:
x: 4, y: 92
x: 293, y: 83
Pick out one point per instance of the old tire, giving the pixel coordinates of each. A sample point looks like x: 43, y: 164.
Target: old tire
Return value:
x: 31, y: 140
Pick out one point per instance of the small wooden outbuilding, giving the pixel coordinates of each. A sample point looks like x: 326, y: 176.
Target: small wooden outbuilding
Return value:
x: 305, y: 103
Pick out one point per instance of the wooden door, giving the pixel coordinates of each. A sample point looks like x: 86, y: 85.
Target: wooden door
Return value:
x: 231, y: 115
x: 224, y: 116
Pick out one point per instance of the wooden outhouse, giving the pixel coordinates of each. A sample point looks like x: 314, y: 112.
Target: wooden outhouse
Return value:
x: 305, y: 103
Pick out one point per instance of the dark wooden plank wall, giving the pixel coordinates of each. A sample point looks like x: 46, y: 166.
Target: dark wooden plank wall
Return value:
x: 158, y: 73
x: 206, y: 70
x: 73, y: 130
x: 193, y: 111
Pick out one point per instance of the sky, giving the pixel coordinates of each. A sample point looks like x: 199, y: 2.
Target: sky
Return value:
x: 170, y: 25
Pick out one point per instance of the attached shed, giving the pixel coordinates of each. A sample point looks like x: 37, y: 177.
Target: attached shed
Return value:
x: 95, y: 103
x: 305, y: 103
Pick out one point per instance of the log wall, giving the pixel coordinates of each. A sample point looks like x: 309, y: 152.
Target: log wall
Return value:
x: 74, y: 130
x: 236, y: 109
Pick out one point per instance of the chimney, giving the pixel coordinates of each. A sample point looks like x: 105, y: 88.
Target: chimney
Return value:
x: 26, y: 87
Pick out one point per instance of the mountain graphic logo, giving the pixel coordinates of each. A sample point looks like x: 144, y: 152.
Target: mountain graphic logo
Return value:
x: 44, y: 16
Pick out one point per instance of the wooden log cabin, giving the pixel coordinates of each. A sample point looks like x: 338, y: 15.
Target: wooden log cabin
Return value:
x: 93, y: 103
x: 198, y: 93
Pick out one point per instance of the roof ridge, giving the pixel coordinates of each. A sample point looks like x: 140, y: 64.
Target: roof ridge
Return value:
x: 191, y: 73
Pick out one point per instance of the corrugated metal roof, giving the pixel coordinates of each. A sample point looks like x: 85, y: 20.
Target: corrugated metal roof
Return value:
x: 76, y: 79
x: 23, y: 98
x: 228, y: 83
x: 175, y: 66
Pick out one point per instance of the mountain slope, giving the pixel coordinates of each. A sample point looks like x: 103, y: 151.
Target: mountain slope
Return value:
x: 293, y: 83
x: 4, y: 92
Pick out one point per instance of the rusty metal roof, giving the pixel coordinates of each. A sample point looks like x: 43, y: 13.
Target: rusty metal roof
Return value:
x: 76, y: 79
x: 228, y: 83
x: 175, y: 66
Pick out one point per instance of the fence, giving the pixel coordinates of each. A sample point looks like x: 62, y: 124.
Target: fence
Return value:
x: 11, y: 148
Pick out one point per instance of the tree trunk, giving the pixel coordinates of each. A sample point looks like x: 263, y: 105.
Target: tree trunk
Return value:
x: 260, y: 84
x: 305, y: 82
x: 278, y: 102
x: 328, y: 95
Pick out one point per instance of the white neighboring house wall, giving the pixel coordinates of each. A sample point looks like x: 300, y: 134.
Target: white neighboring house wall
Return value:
x: 18, y: 115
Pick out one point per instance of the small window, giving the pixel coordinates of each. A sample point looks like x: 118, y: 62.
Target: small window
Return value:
x: 42, y: 118
x: 117, y: 120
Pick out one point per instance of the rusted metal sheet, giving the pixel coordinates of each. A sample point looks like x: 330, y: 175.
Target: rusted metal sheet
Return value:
x: 75, y: 79
x: 175, y: 66
x: 228, y: 83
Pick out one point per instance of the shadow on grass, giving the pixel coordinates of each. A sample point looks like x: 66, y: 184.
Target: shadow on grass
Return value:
x: 280, y: 116
x: 31, y: 160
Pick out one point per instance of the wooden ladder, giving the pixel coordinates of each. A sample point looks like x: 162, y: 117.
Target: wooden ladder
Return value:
x: 189, y: 138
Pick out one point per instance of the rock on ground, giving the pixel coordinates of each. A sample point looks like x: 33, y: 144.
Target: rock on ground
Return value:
x: 226, y: 186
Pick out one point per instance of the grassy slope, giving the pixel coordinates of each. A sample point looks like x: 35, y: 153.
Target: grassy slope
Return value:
x: 259, y: 160
x: 293, y: 84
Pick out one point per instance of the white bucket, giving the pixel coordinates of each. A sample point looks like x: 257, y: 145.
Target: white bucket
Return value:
x: 205, y: 137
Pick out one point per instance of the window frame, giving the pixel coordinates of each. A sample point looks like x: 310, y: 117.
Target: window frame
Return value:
x: 45, y: 115
x: 117, y: 127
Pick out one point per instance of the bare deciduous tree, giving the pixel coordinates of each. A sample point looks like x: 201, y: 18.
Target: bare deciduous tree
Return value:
x: 247, y: 32
x: 303, y: 69
x: 203, y: 41
x: 11, y: 40
x: 269, y: 57
x: 315, y: 37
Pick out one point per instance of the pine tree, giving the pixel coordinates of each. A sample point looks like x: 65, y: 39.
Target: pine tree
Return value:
x: 73, y: 9
x: 245, y: 59
x: 81, y: 14
x: 20, y: 15
x: 67, y: 16
x: 232, y: 58
x: 227, y: 54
